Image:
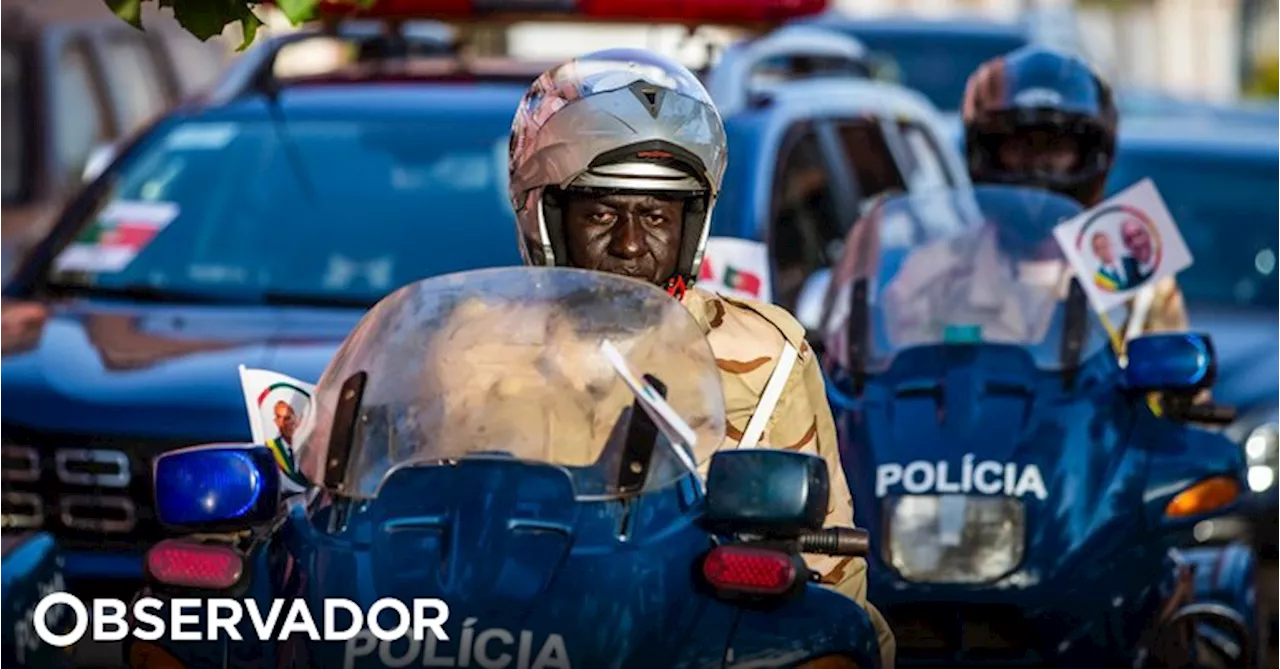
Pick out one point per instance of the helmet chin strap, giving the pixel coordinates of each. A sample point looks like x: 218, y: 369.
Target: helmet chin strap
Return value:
x: 677, y: 286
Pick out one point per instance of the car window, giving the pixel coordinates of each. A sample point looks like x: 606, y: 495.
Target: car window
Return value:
x: 804, y: 215
x: 79, y: 122
x: 136, y: 87
x: 12, y: 117
x: 922, y: 160
x: 872, y: 162
x: 339, y: 210
x: 1226, y: 210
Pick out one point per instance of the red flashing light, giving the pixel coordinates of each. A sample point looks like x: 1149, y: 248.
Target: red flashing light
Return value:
x: 701, y: 11
x: 749, y: 570
x: 406, y: 9
x: 192, y: 565
x: 726, y: 12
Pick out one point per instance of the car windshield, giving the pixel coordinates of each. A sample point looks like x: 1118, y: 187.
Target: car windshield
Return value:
x: 313, y: 210
x: 937, y: 64
x: 961, y: 266
x: 1227, y: 212
x: 12, y: 118
x: 510, y: 362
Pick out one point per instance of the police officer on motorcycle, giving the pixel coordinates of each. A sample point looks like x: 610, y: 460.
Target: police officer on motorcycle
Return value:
x: 1041, y: 118
x: 616, y: 160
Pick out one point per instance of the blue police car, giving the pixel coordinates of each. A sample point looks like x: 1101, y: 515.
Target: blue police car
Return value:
x: 252, y: 227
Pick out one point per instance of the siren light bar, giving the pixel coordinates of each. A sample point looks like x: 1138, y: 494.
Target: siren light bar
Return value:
x: 718, y: 12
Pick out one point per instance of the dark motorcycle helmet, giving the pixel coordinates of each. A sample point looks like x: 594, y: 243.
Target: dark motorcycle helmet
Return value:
x: 1040, y: 100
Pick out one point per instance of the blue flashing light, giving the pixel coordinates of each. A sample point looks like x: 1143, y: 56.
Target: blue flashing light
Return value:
x: 206, y: 486
x: 1169, y: 361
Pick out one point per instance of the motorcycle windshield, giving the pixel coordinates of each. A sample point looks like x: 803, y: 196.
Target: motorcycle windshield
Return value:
x: 961, y: 266
x: 509, y: 362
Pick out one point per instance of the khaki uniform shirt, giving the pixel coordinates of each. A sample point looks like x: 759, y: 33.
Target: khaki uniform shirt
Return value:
x: 747, y: 339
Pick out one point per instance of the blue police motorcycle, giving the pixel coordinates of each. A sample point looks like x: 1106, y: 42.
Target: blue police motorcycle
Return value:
x: 1025, y: 488
x: 472, y: 441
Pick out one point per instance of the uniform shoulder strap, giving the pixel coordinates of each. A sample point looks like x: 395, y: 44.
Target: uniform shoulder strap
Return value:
x: 769, y: 398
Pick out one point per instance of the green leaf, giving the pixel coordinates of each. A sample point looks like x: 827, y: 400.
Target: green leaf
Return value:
x: 129, y: 11
x: 207, y: 18
x: 249, y: 24
x: 297, y: 11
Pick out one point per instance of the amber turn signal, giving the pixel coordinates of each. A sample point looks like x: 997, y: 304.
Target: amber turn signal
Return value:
x: 1208, y: 495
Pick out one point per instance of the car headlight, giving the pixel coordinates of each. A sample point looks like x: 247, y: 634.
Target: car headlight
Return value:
x: 1260, y: 451
x: 954, y: 538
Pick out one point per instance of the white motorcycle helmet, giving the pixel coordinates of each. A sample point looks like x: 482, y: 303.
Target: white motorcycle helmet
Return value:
x: 610, y: 121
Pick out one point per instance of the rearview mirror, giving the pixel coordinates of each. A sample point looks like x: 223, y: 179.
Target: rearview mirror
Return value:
x: 813, y: 299
x: 766, y: 492
x: 98, y: 161
x: 216, y: 487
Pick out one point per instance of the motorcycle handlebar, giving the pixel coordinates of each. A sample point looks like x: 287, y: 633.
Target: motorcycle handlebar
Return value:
x: 1211, y: 414
x: 838, y: 541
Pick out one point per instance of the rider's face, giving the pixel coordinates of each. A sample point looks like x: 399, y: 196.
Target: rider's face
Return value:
x: 1038, y: 151
x: 632, y: 235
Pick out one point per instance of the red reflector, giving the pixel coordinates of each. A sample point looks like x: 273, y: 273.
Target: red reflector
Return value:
x: 752, y: 570
x: 192, y: 565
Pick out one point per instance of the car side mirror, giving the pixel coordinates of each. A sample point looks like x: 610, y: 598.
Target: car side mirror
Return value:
x: 216, y: 487
x: 1180, y: 362
x: 99, y: 159
x: 766, y: 492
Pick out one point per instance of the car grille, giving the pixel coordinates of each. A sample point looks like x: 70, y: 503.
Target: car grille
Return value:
x: 927, y: 634
x: 90, y: 492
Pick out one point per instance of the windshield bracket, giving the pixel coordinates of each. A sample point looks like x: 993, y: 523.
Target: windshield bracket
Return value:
x: 859, y: 317
x: 1074, y: 330
x: 642, y: 437
x: 342, y: 437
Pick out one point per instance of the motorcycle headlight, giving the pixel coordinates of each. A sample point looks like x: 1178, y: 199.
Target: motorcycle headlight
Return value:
x: 954, y: 538
x: 1260, y: 450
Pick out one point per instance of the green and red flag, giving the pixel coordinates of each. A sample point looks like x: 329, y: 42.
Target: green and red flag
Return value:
x: 742, y: 280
